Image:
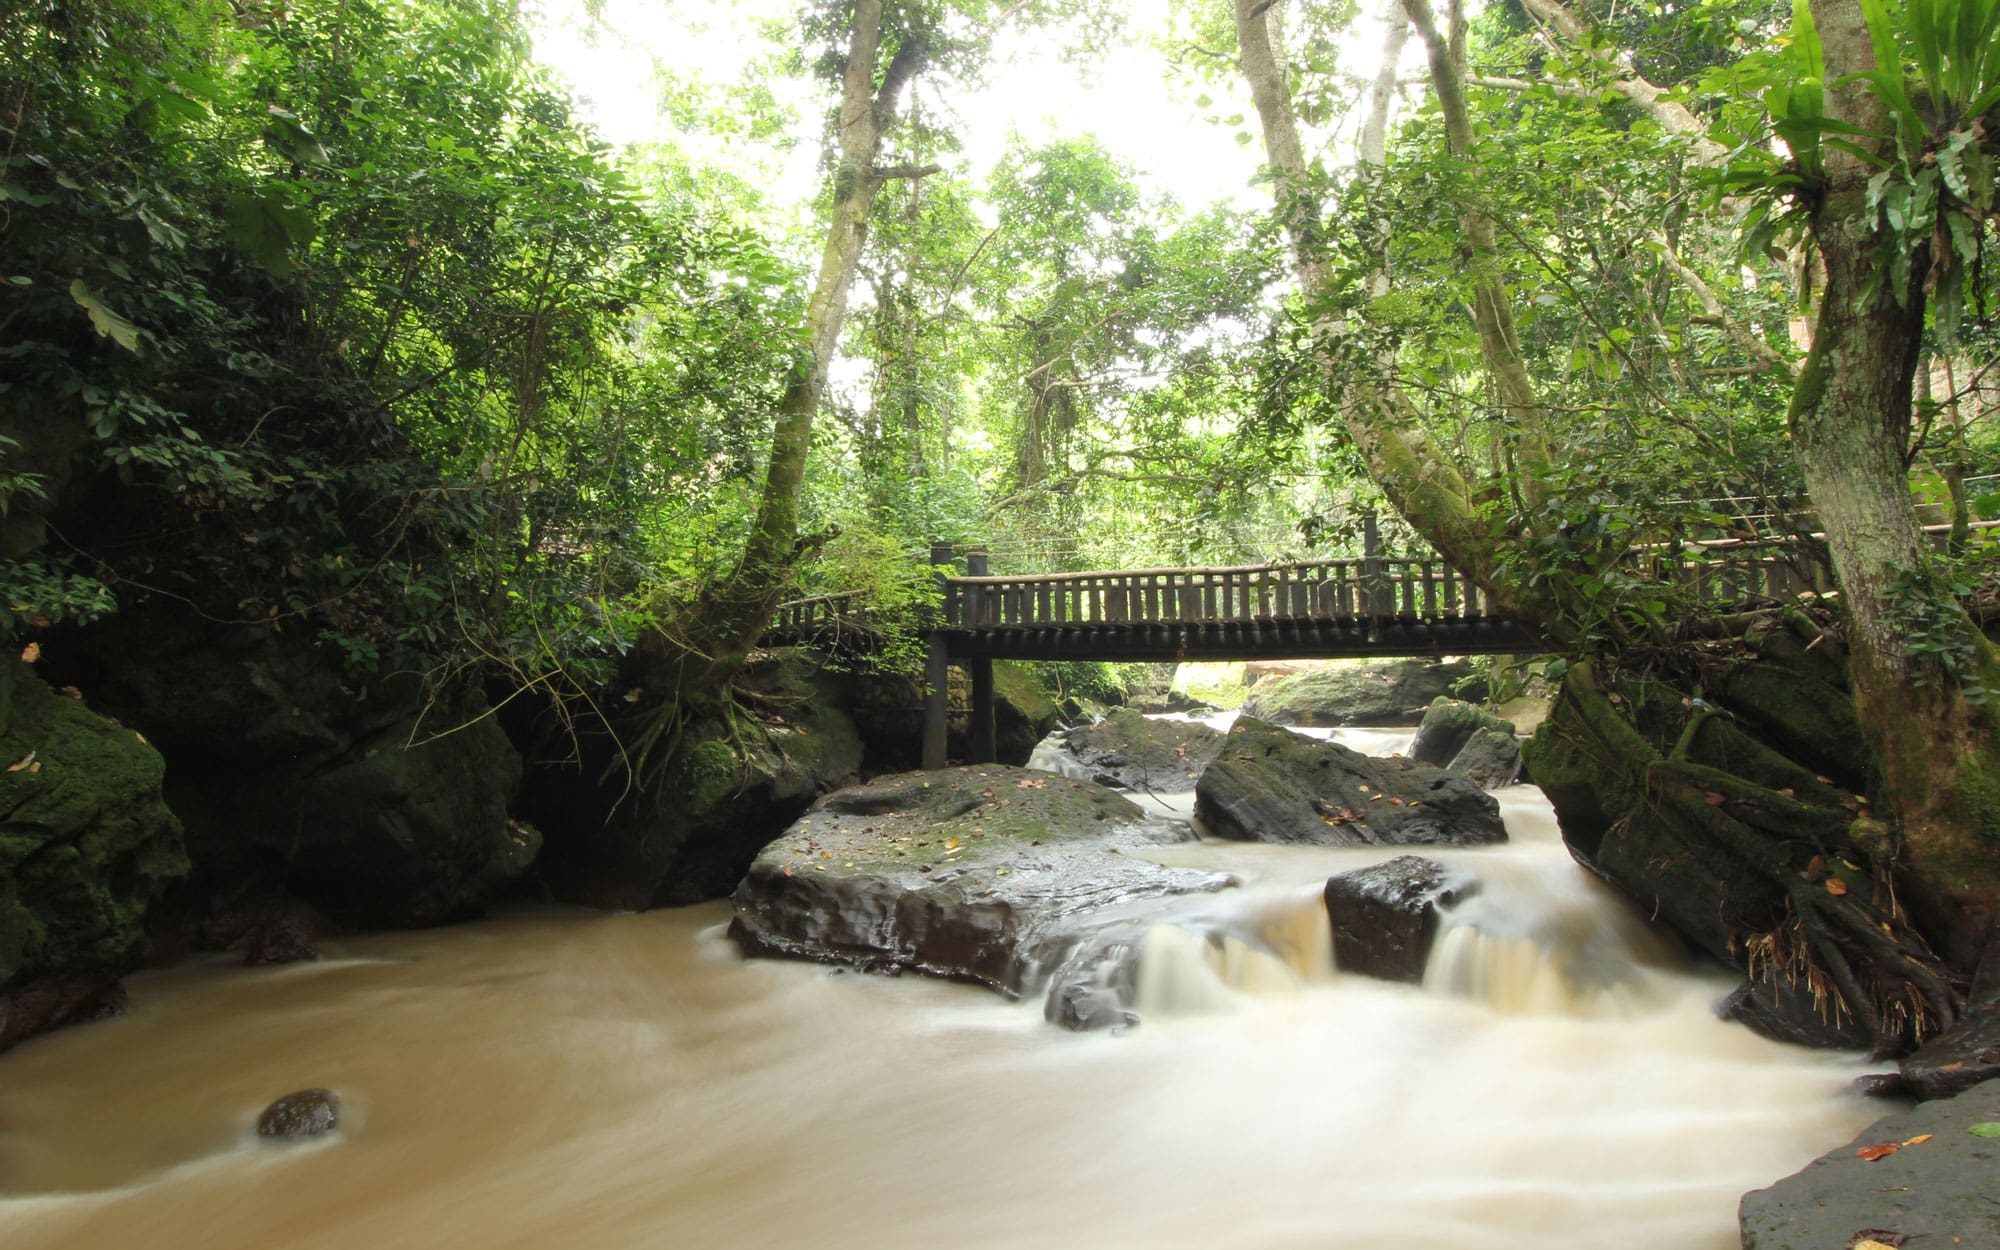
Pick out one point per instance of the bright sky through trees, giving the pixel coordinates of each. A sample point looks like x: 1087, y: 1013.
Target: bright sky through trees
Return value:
x: 1124, y: 99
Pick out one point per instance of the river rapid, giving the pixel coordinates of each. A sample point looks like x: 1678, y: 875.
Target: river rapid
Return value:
x: 557, y: 1078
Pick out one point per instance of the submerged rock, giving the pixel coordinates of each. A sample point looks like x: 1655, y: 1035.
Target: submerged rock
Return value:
x: 1271, y: 785
x: 1937, y: 1191
x: 300, y: 1115
x: 987, y: 874
x: 1385, y: 916
x: 1392, y: 692
x: 87, y: 847
x: 1160, y: 756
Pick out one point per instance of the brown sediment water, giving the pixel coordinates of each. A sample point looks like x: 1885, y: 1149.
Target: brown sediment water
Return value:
x: 553, y: 1079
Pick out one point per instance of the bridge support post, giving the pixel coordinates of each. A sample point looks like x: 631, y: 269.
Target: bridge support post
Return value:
x: 985, y: 734
x: 937, y: 673
x: 937, y: 680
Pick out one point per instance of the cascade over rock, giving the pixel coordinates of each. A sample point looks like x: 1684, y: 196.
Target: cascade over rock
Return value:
x: 86, y: 850
x: 1127, y: 749
x: 1373, y: 692
x: 987, y: 874
x: 1385, y: 916
x: 1268, y: 784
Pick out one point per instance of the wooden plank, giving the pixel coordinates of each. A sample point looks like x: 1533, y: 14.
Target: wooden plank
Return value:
x: 1430, y: 590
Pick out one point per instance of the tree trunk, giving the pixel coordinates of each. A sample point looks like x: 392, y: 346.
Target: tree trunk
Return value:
x: 726, y: 623
x: 1920, y: 668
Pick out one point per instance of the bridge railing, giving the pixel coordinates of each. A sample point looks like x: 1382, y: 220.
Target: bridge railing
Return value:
x: 1346, y: 589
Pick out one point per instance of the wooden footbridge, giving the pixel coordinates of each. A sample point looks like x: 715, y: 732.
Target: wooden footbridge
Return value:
x: 1376, y: 605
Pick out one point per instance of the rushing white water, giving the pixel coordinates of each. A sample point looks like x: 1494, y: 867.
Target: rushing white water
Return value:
x: 556, y: 1078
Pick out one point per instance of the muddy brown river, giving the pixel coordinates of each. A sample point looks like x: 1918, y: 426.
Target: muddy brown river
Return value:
x: 554, y: 1079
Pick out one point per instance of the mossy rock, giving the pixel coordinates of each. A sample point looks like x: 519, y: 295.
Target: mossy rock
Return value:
x: 691, y: 832
x: 1372, y: 692
x: 1268, y: 784
x: 383, y: 804
x: 1130, y: 750
x: 1447, y: 726
x: 87, y: 848
x: 985, y: 874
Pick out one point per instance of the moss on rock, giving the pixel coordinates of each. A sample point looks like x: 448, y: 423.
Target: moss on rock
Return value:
x: 87, y: 847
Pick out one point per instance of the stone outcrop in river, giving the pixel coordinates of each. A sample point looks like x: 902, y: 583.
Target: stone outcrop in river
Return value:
x: 1470, y: 741
x: 1268, y: 784
x: 1127, y: 749
x: 1378, y: 692
x: 986, y: 874
x: 86, y: 849
x: 1385, y: 916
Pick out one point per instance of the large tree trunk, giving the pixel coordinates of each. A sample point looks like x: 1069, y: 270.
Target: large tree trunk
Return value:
x: 714, y: 641
x: 1921, y: 670
x: 1418, y: 477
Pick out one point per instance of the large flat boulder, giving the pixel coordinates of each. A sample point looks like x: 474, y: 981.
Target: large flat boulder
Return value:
x: 1937, y: 1190
x: 986, y: 874
x: 1127, y: 749
x: 1374, y: 692
x: 1962, y: 1056
x: 1271, y: 785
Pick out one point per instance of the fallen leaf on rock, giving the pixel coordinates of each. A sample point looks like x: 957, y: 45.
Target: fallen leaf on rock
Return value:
x: 1877, y: 1239
x: 1880, y: 1150
x: 951, y: 843
x: 31, y: 653
x: 1919, y: 1139
x: 1835, y: 886
x: 1713, y: 799
x: 1985, y: 1128
x: 21, y: 763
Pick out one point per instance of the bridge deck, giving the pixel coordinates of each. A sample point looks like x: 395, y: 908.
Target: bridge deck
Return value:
x: 1374, y: 606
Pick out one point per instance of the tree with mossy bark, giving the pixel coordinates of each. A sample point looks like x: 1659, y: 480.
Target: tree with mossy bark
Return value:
x: 1876, y: 195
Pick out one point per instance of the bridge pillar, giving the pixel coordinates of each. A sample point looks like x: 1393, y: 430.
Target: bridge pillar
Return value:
x: 937, y: 673
x: 1373, y: 597
x: 937, y: 678
x: 985, y: 735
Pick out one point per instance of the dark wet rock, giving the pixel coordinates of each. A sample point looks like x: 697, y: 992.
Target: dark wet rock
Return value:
x: 691, y: 833
x: 1096, y: 985
x: 1490, y: 759
x: 1387, y: 692
x: 285, y: 932
x: 1936, y: 1193
x: 381, y: 803
x: 1786, y: 1012
x: 1447, y: 726
x: 1385, y: 916
x: 1268, y: 784
x: 87, y: 848
x: 986, y: 874
x: 1882, y: 1085
x: 1161, y: 756
x: 1962, y: 1056
x: 297, y: 1116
